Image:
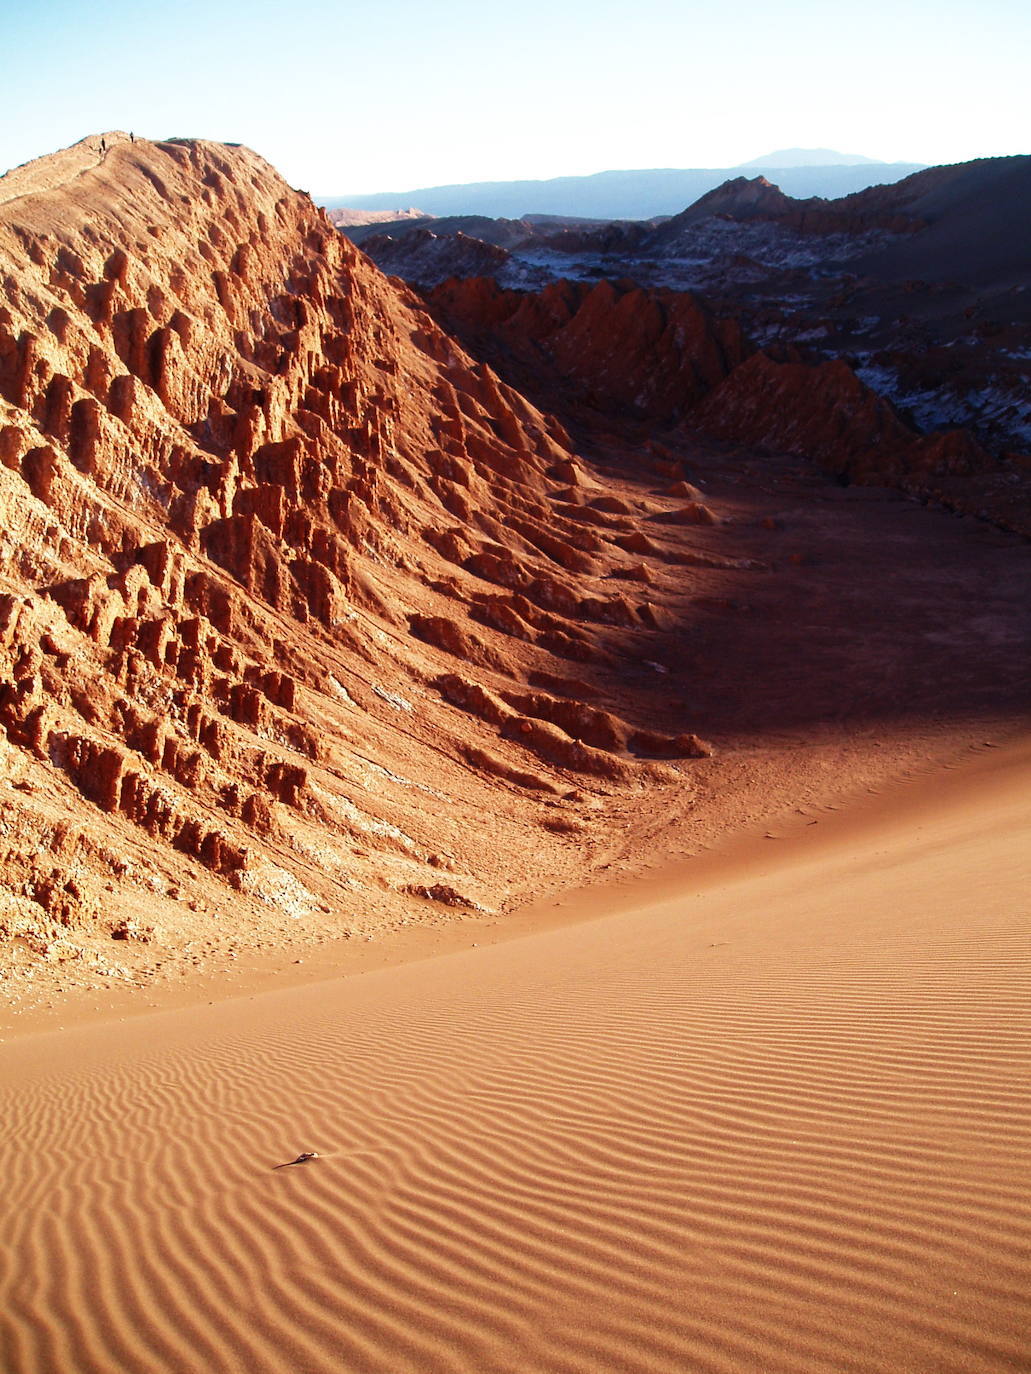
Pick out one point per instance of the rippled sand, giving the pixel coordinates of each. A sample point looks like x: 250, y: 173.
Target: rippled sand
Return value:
x: 773, y: 1117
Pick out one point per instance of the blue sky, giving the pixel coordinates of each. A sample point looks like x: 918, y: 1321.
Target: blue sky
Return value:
x: 391, y: 96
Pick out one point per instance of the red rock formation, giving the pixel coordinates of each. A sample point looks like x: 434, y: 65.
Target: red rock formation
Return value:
x: 825, y: 412
x: 259, y: 512
x: 650, y: 354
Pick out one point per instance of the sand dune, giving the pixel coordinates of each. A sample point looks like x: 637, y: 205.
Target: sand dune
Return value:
x: 775, y: 1120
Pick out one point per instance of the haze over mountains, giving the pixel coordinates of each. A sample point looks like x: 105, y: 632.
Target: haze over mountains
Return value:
x: 639, y: 194
x: 809, y: 157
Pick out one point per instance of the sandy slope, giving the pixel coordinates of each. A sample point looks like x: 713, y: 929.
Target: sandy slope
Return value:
x: 775, y: 1121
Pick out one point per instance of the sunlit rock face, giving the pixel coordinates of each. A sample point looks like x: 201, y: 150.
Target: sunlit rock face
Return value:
x: 294, y: 592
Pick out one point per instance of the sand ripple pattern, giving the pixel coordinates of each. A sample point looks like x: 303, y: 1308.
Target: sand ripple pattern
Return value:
x: 780, y: 1125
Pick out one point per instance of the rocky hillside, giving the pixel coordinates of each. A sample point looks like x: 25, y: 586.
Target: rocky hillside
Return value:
x: 293, y: 591
x: 617, y: 349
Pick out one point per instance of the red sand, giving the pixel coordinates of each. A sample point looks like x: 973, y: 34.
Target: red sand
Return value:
x: 775, y: 1117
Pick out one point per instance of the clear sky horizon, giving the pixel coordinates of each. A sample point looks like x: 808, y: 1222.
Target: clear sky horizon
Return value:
x: 348, y: 98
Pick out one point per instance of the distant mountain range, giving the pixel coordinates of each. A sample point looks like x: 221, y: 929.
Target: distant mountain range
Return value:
x: 641, y: 194
x: 810, y: 157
